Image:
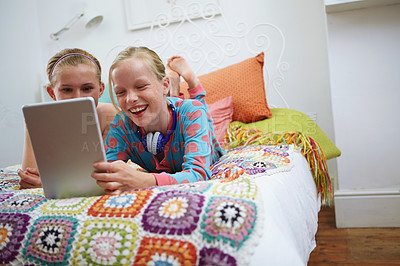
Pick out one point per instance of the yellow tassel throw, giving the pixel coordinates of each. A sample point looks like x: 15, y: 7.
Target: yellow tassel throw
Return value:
x: 238, y: 136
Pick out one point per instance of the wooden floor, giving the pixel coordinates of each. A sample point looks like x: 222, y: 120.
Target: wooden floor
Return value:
x: 354, y: 246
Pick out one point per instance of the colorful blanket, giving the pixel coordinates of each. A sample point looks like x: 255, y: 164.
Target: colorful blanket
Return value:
x: 257, y: 160
x: 216, y: 222
x: 213, y: 222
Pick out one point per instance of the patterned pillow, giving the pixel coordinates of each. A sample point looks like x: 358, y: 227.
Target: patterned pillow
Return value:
x: 244, y: 81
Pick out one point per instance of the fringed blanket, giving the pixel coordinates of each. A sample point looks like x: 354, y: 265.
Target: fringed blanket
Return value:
x: 216, y: 222
x: 241, y: 137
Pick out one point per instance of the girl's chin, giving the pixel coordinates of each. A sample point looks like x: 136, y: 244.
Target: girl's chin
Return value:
x: 140, y: 122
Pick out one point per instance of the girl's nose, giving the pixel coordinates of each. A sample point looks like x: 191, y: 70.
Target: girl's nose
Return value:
x: 131, y: 96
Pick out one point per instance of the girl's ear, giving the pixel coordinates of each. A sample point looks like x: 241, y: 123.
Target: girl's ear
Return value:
x: 50, y: 91
x: 101, y: 89
x: 166, y: 82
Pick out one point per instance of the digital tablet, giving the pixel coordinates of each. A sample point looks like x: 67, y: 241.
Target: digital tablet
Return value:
x: 66, y: 141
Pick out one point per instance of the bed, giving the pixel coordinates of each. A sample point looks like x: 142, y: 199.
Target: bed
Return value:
x: 260, y: 206
x: 248, y: 214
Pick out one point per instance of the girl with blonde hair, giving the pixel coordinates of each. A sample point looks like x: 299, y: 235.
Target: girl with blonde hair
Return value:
x: 72, y: 73
x: 171, y: 138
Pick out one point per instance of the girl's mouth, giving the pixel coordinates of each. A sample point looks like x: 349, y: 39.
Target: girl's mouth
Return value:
x: 137, y: 110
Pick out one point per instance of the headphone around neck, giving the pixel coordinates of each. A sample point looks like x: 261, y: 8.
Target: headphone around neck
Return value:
x: 155, y: 142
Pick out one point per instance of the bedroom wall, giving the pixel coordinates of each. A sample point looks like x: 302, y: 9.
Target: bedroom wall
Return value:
x: 305, y: 84
x: 364, y: 51
x: 20, y: 71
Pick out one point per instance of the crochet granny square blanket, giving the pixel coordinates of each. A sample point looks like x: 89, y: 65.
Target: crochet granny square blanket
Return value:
x: 215, y: 222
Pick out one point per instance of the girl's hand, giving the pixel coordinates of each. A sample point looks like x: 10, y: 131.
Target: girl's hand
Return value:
x: 117, y: 177
x: 30, y: 178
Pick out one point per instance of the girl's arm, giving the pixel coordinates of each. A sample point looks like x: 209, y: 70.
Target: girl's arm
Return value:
x: 28, y: 158
x: 106, y: 113
x: 29, y: 175
x: 117, y: 177
x: 198, y: 93
x: 117, y: 145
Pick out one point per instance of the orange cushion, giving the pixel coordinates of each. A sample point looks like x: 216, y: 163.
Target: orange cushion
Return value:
x: 221, y: 112
x: 244, y: 81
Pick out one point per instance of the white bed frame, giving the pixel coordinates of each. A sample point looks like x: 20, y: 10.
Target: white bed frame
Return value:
x: 202, y: 34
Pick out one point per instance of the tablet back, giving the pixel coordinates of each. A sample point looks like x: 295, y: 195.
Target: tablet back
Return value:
x: 66, y: 140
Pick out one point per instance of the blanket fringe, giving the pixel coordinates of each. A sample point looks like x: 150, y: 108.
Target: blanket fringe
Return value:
x: 238, y: 136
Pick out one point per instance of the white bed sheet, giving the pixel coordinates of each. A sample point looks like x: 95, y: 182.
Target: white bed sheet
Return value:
x: 291, y: 205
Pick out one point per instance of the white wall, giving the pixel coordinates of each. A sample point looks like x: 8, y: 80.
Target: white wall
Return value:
x: 303, y: 23
x: 20, y: 71
x: 364, y: 51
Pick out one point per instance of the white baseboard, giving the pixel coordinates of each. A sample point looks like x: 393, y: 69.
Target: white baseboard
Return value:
x: 367, y: 208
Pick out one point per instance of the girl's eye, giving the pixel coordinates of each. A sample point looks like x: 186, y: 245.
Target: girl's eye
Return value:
x: 66, y: 90
x: 119, y: 93
x: 141, y: 87
x: 87, y: 89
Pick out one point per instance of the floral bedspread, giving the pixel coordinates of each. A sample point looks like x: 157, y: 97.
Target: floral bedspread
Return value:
x: 216, y: 222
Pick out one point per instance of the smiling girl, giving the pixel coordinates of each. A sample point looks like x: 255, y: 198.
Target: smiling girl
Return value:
x: 72, y: 73
x: 171, y: 138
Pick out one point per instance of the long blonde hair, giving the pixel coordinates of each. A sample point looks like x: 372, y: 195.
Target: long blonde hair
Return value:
x: 141, y: 53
